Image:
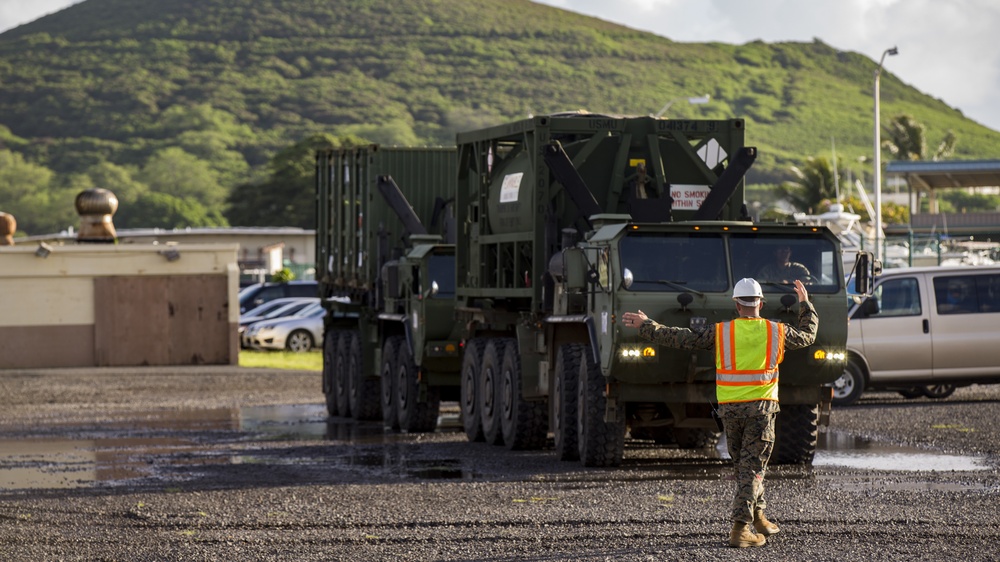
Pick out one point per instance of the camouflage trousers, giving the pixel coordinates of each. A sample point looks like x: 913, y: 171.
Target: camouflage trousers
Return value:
x: 750, y: 440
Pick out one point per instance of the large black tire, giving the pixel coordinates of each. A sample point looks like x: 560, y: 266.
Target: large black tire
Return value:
x: 329, y: 365
x: 796, y: 430
x: 489, y: 391
x: 564, y: 397
x: 524, y: 423
x: 696, y: 437
x: 415, y: 415
x: 600, y: 443
x: 363, y: 391
x: 390, y: 395
x: 472, y: 361
x: 341, y: 374
x: 850, y: 386
x: 938, y: 391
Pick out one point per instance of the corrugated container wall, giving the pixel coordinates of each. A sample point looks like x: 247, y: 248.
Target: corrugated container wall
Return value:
x: 356, y: 229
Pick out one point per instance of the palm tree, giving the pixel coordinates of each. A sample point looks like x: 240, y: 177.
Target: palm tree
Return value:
x: 813, y: 185
x: 907, y: 140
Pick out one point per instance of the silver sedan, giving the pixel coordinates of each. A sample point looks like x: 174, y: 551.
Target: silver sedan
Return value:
x: 301, y: 332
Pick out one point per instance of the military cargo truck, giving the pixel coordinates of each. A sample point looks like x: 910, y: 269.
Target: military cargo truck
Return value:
x: 567, y: 221
x: 385, y: 267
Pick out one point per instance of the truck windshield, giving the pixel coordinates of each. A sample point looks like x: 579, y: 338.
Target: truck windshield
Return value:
x: 778, y: 260
x: 702, y: 262
x: 674, y: 262
x: 441, y: 269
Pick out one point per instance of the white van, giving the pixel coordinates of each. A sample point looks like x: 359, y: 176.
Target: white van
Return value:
x: 923, y: 332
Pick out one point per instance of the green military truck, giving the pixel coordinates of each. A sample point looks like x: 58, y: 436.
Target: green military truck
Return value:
x: 385, y: 266
x: 566, y: 222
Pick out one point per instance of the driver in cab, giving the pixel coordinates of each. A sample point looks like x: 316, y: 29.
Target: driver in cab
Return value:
x: 782, y: 269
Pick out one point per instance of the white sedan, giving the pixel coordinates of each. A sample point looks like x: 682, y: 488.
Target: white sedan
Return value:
x: 301, y: 332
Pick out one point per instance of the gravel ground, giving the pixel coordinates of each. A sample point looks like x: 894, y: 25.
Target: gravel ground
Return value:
x: 357, y: 494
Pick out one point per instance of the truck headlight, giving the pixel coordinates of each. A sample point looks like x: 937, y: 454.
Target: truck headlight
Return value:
x: 637, y: 353
x: 830, y: 355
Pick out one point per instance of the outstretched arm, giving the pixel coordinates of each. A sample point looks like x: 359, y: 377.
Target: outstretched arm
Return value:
x: 669, y: 336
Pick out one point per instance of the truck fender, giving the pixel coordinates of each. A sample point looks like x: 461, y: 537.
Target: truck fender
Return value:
x: 588, y: 324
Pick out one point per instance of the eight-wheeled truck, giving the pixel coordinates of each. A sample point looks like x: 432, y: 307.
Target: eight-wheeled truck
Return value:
x: 385, y: 265
x: 567, y: 221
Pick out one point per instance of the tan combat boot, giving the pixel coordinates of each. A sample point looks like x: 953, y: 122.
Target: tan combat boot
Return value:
x: 763, y: 526
x: 743, y: 536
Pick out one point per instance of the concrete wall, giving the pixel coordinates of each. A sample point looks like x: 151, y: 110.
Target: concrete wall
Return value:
x: 118, y: 305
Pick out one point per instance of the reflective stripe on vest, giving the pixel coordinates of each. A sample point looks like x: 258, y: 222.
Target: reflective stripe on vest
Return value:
x: 747, y: 354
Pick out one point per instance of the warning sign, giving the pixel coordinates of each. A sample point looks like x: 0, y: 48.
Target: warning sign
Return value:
x: 688, y: 197
x: 510, y: 187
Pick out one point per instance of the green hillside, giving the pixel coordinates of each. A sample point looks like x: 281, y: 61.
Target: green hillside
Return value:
x: 176, y: 103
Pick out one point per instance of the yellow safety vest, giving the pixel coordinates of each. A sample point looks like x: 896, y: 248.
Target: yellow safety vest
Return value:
x: 747, y: 354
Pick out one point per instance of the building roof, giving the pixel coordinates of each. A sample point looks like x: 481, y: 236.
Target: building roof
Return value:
x: 927, y: 175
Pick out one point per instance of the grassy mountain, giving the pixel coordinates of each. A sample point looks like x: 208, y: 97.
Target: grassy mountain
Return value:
x: 137, y: 87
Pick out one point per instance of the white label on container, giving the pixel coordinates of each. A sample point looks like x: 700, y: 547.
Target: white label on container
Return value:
x: 688, y: 197
x: 510, y: 187
x: 604, y: 322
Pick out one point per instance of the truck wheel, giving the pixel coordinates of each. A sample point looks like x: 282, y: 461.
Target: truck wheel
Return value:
x: 849, y: 387
x: 415, y: 415
x: 524, y: 422
x: 564, y: 401
x: 299, y: 341
x: 329, y: 364
x: 390, y: 418
x: 796, y: 429
x: 696, y: 437
x: 341, y: 374
x: 363, y: 391
x: 472, y: 360
x: 600, y: 443
x: 489, y: 391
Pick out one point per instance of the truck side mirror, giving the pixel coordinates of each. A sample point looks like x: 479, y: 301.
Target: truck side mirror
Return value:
x: 866, y: 268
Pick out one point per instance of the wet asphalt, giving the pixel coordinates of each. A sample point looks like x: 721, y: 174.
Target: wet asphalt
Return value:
x: 221, y: 463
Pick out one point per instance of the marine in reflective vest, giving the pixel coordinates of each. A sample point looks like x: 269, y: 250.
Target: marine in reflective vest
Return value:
x: 748, y: 350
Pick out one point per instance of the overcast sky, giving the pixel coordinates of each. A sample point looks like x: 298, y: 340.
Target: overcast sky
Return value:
x: 946, y: 47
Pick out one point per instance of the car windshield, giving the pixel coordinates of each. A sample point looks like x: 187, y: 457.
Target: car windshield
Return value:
x: 265, y: 308
x: 291, y: 308
x: 314, y: 309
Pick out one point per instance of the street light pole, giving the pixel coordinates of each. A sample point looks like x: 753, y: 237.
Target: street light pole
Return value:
x: 878, y: 158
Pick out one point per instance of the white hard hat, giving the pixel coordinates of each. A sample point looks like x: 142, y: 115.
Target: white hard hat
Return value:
x: 747, y: 287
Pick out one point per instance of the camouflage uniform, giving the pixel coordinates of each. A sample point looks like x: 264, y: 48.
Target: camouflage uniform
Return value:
x: 749, y: 425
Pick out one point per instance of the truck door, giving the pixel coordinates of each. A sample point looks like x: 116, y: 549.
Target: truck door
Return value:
x: 896, y: 336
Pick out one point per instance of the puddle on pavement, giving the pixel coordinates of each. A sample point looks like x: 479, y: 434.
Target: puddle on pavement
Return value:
x: 837, y: 449
x: 49, y: 463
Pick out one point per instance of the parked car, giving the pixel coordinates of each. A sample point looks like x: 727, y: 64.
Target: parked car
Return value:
x: 924, y: 332
x: 257, y: 294
x: 301, y: 332
x: 278, y: 308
